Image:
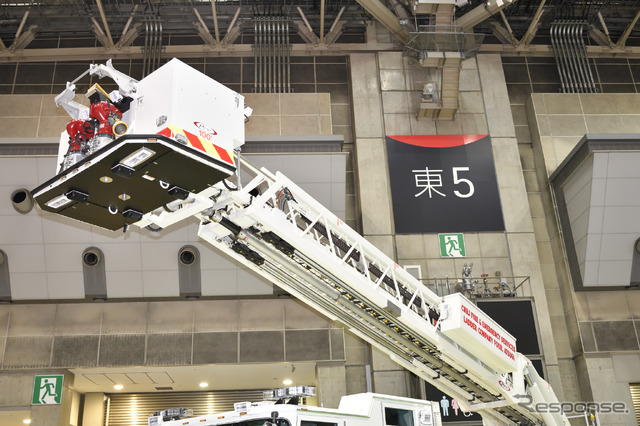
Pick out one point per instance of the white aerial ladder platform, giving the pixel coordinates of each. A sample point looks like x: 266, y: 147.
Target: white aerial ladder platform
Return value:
x: 280, y: 232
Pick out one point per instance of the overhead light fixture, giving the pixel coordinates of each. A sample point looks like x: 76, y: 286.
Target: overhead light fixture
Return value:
x: 138, y: 157
x: 106, y: 179
x: 58, y: 202
x: 287, y: 382
x: 118, y: 387
x: 27, y: 421
x: 204, y: 384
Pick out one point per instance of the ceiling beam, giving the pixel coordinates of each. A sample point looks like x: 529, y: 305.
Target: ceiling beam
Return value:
x: 480, y: 13
x: 623, y: 38
x: 509, y: 36
x: 126, y: 26
x: 203, y: 31
x: 104, y: 22
x: 215, y: 21
x: 336, y: 28
x: 383, y: 15
x: 24, y: 39
x: 246, y: 50
x: 533, y: 27
x: 305, y: 30
x: 24, y: 21
x: 232, y: 32
x: 100, y: 35
x: 606, y: 31
x: 599, y: 37
x: 322, y: 21
x: 129, y: 37
x: 504, y: 34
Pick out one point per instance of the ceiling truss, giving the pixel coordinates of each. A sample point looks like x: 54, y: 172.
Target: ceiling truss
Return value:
x: 522, y: 27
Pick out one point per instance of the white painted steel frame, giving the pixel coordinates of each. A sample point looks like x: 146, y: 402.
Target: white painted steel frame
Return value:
x: 342, y: 286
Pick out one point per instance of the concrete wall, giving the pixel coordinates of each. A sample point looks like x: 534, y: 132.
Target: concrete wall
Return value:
x: 164, y: 333
x: 17, y: 389
x: 384, y: 104
x: 597, y: 322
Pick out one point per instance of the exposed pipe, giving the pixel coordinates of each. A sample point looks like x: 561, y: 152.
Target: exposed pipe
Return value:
x: 256, y: 54
x: 159, y: 46
x: 288, y: 59
x: 568, y: 58
x: 571, y: 57
x: 271, y: 53
x: 145, y: 54
x: 591, y: 82
x: 556, y: 53
x: 577, y: 35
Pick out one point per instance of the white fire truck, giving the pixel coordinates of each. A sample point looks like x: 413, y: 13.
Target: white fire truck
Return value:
x: 365, y: 409
x: 166, y: 149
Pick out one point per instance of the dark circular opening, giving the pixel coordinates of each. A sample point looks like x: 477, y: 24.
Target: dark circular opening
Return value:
x: 120, y: 129
x: 19, y: 197
x: 187, y: 257
x: 91, y: 258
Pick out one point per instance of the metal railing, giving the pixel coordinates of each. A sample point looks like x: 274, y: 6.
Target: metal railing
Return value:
x: 442, y: 39
x: 483, y: 287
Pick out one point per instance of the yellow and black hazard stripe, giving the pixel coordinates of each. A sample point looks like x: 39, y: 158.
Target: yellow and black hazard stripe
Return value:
x: 199, y: 143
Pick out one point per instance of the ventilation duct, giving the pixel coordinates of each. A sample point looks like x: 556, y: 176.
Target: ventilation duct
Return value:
x: 272, y: 51
x: 570, y: 52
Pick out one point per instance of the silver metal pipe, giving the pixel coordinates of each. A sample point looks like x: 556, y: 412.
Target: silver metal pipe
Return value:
x: 572, y: 55
x: 582, y: 88
x: 288, y: 57
x: 556, y: 51
x: 578, y: 42
x: 588, y: 76
x: 272, y: 56
x: 571, y: 29
x: 145, y: 53
x: 255, y: 55
x: 564, y: 39
x: 258, y: 76
x: 592, y: 83
x: 577, y: 39
x: 262, y: 55
x: 159, y: 56
x: 152, y: 42
x: 278, y: 55
x: 270, y: 49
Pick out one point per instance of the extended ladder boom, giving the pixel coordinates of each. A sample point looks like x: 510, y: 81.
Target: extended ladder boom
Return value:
x: 283, y: 234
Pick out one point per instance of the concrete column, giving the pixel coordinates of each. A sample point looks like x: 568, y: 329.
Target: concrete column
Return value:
x: 371, y: 158
x: 388, y: 377
x: 93, y: 413
x: 515, y: 205
x: 332, y: 384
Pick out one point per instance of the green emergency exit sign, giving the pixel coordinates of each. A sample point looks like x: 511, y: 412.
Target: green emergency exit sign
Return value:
x: 47, y: 390
x: 452, y: 245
